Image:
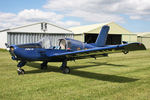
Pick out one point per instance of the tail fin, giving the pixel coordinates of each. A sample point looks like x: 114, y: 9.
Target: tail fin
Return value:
x: 102, y: 37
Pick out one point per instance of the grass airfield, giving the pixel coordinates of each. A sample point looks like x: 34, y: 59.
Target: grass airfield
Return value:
x: 117, y: 77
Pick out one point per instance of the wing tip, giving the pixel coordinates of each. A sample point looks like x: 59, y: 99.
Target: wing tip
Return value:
x: 135, y: 46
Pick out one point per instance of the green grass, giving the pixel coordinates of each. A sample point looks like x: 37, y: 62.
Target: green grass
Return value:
x: 3, y: 50
x: 117, y: 77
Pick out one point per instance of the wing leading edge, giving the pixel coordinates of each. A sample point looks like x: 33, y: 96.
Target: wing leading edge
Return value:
x: 99, y: 51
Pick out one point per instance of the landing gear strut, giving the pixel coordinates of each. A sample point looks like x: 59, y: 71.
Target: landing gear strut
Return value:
x: 21, y: 64
x: 64, y: 68
x: 44, y: 65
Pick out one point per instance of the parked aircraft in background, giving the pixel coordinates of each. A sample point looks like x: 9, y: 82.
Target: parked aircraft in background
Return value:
x: 68, y: 49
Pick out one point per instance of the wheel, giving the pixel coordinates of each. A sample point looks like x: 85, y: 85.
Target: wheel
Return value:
x: 43, y: 66
x: 125, y: 52
x: 66, y: 70
x: 61, y: 68
x: 21, y: 71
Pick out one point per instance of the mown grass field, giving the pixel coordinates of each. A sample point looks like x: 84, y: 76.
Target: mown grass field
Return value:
x: 117, y: 77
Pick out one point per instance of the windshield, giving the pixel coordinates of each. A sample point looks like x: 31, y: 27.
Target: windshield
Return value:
x: 45, y: 43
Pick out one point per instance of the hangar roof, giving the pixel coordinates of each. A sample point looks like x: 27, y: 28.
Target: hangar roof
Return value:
x: 95, y: 28
x: 144, y: 34
x: 41, y: 27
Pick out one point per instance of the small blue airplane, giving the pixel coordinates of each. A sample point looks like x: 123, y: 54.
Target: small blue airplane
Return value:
x: 67, y: 50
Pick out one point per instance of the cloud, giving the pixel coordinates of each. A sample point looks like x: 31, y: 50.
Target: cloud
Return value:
x: 89, y: 11
x: 102, y: 10
x: 28, y: 16
x: 72, y: 23
x: 35, y: 15
x: 95, y: 17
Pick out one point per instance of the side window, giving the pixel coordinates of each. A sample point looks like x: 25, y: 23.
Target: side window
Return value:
x: 68, y: 44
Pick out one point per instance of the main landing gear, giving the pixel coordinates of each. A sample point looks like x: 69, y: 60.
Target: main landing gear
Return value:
x: 21, y: 71
x: 125, y: 51
x: 64, y: 68
x: 44, y: 65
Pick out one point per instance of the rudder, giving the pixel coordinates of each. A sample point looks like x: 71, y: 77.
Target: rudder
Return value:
x: 102, y: 37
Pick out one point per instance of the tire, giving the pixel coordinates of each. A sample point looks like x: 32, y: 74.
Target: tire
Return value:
x: 21, y: 71
x: 125, y: 52
x: 66, y: 70
x: 43, y: 66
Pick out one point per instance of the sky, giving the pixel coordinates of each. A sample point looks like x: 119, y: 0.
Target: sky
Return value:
x: 134, y: 15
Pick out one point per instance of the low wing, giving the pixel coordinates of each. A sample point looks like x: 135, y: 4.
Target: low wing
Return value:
x: 98, y: 51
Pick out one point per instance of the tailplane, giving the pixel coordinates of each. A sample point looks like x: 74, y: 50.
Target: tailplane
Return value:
x: 102, y: 37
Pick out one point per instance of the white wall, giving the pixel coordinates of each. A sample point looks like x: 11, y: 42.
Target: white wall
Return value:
x: 145, y: 41
x: 129, y: 37
x: 3, y: 39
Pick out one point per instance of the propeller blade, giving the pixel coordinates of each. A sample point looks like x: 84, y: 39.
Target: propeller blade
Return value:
x: 7, y: 45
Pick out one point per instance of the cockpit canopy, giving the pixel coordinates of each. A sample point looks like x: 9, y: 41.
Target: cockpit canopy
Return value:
x: 63, y: 44
x: 71, y: 44
x: 45, y: 43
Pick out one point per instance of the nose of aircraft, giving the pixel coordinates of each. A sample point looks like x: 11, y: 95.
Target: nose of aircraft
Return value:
x: 12, y: 50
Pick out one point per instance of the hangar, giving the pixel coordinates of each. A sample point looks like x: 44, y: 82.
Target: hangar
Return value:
x: 116, y: 35
x: 33, y: 33
x: 144, y: 38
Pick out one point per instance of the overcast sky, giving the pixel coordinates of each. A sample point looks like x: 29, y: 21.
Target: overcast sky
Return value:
x: 133, y: 15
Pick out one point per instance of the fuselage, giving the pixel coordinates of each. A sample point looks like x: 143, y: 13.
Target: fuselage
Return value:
x: 35, y: 52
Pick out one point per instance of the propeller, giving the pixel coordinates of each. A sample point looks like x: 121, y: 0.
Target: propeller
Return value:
x: 124, y: 42
x: 7, y: 46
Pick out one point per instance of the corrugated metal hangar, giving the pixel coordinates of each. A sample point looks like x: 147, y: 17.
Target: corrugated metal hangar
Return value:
x: 33, y: 33
x: 144, y: 38
x: 116, y: 35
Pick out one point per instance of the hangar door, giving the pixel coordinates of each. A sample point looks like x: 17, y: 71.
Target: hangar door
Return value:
x: 112, y: 39
x: 22, y: 38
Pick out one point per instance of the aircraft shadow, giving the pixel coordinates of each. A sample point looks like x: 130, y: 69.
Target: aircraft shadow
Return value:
x: 85, y: 74
x: 97, y: 64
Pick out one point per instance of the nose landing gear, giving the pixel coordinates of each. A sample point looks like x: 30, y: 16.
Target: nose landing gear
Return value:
x: 21, y: 64
x: 21, y: 71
